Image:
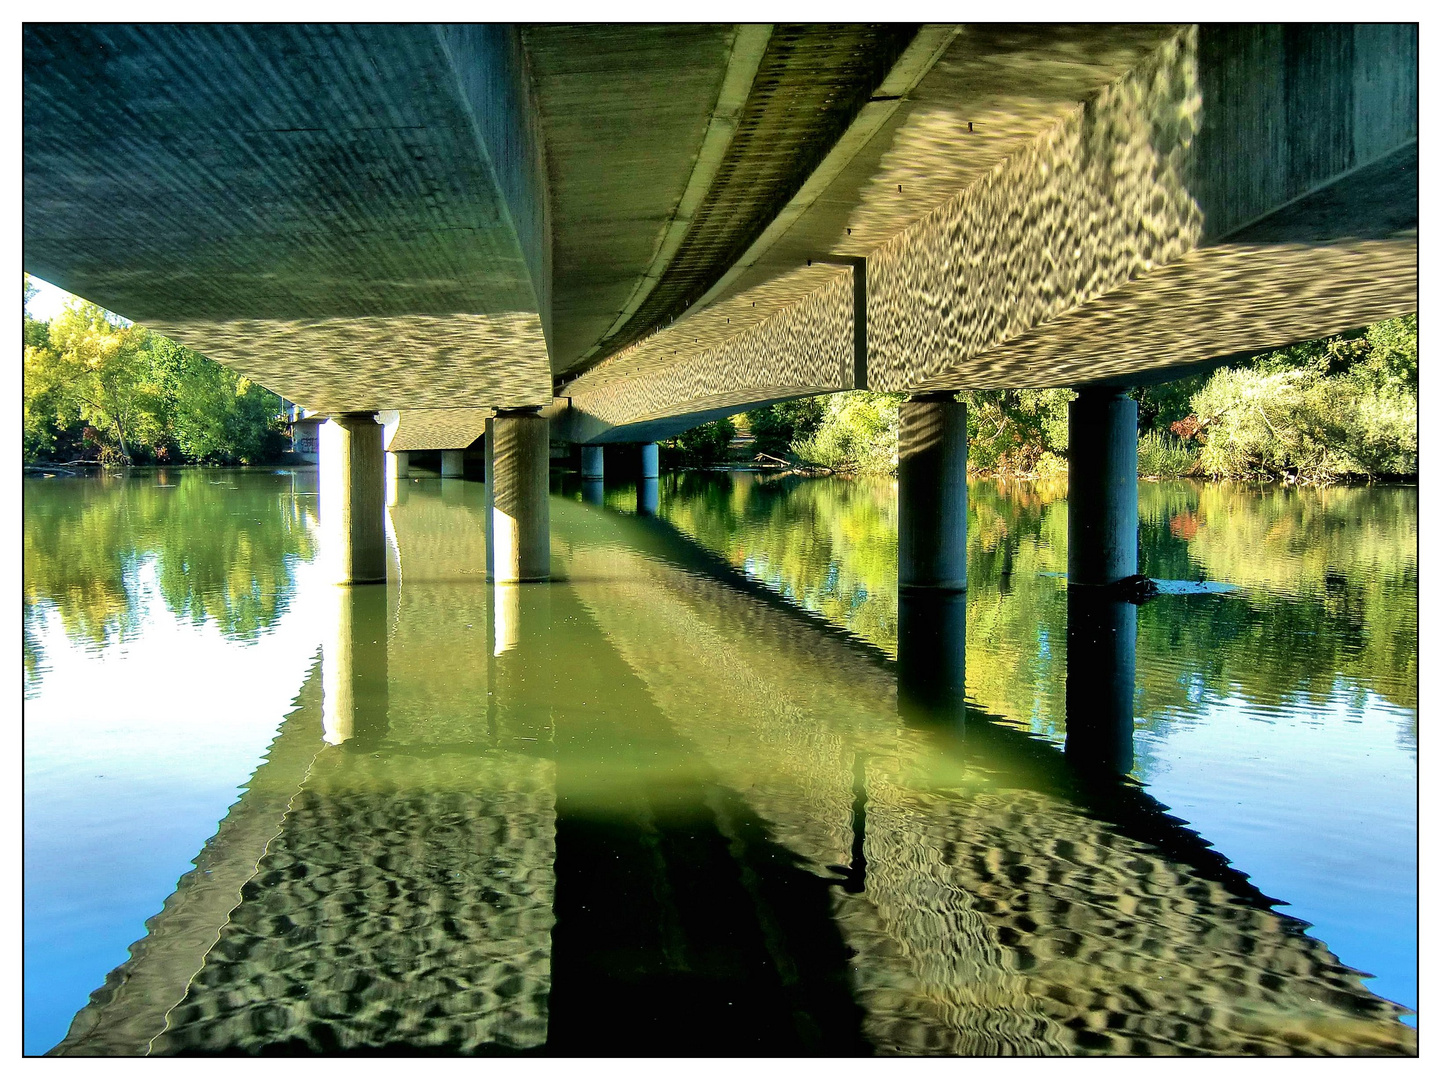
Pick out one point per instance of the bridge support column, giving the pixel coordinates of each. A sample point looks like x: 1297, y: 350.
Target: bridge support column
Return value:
x: 1102, y: 507
x: 649, y: 461
x: 517, y: 478
x: 931, y: 483
x: 452, y: 463
x: 592, y: 475
x: 397, y: 463
x: 592, y: 462
x: 352, y: 497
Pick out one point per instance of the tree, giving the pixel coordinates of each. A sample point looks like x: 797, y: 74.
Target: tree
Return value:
x: 776, y: 427
x: 93, y: 369
x: 91, y: 376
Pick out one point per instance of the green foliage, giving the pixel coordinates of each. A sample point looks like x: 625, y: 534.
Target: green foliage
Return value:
x: 777, y: 427
x: 1160, y: 455
x: 1163, y: 404
x: 1268, y: 423
x: 220, y: 416
x: 857, y: 433
x: 702, y: 446
x: 97, y: 386
x: 1016, y: 431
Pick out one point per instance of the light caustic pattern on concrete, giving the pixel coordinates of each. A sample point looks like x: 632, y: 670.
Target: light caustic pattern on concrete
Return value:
x: 346, y: 214
x: 1172, y: 218
x: 438, y: 429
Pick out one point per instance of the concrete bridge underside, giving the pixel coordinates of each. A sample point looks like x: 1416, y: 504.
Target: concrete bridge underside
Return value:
x: 641, y: 227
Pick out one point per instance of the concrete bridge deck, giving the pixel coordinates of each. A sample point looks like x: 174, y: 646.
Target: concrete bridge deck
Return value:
x: 643, y: 226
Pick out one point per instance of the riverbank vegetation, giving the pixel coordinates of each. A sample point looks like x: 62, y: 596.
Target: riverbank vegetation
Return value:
x: 1315, y: 412
x: 99, y: 389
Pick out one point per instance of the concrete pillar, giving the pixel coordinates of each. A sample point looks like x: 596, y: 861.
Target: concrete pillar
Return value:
x: 517, y: 475
x: 1100, y: 680
x: 647, y: 497
x: 452, y: 463
x: 931, y: 654
x: 649, y: 461
x: 592, y: 462
x: 931, y: 483
x: 398, y: 464
x: 352, y: 497
x: 1102, y: 508
x: 592, y: 491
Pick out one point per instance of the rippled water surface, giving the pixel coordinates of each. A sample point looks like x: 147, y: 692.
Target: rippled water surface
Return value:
x: 720, y: 790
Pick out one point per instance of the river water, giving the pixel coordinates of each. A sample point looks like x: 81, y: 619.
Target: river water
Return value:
x: 719, y: 790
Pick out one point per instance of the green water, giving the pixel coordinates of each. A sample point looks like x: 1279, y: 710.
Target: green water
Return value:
x: 677, y: 803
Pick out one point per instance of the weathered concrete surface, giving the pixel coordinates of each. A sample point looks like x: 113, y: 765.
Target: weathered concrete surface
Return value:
x: 344, y: 213
x: 1238, y: 188
x: 931, y: 495
x: 1103, y: 521
x: 517, y: 482
x: 644, y: 219
x: 352, y: 498
x: 438, y: 429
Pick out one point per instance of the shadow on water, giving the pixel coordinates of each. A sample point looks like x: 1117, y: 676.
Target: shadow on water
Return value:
x: 681, y: 926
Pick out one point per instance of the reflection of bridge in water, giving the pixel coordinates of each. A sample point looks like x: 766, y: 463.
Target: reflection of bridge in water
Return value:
x: 496, y: 861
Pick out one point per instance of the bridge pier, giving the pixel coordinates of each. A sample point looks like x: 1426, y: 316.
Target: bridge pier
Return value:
x: 647, y: 490
x: 517, y: 475
x: 397, y: 464
x: 592, y: 462
x: 931, y: 487
x: 1101, y: 535
x: 1102, y: 505
x: 592, y: 475
x: 352, y: 497
x: 452, y: 464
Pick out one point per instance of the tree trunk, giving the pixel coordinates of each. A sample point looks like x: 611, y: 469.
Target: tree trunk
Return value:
x: 124, y: 450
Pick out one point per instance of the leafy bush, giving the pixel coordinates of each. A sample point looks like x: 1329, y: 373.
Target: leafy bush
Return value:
x: 96, y: 386
x: 776, y: 427
x: 1160, y: 455
x: 1305, y: 425
x: 858, y: 433
x: 702, y: 446
x: 1016, y: 431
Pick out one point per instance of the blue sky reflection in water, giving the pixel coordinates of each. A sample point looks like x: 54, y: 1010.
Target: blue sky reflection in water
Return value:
x: 645, y: 730
x: 131, y: 754
x: 1275, y: 707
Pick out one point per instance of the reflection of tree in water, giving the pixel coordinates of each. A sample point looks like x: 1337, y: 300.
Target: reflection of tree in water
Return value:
x: 1328, y: 580
x: 223, y: 544
x: 73, y: 558
x: 226, y: 554
x: 829, y: 544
